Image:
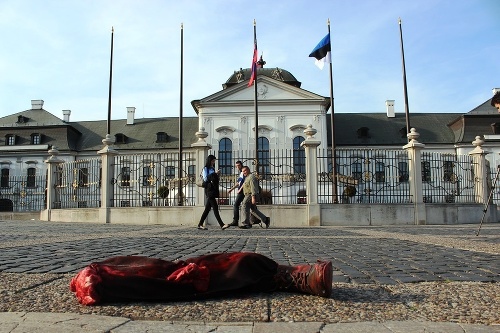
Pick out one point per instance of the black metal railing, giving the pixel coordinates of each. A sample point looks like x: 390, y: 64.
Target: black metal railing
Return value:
x: 364, y: 176
x: 281, y: 174
x: 23, y: 193
x: 447, y: 178
x: 78, y: 184
x: 143, y: 180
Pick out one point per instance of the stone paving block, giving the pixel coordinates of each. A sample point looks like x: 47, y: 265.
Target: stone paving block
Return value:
x: 68, y: 322
x: 11, y: 317
x: 371, y: 327
x: 148, y: 326
x: 302, y: 327
x: 469, y: 328
x: 422, y: 326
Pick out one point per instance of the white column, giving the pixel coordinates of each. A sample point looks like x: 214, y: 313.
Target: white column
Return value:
x: 108, y: 172
x: 52, y: 163
x: 414, y: 149
x: 202, y: 148
x: 310, y: 145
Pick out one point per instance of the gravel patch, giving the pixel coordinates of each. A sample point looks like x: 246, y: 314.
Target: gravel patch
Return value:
x: 464, y: 302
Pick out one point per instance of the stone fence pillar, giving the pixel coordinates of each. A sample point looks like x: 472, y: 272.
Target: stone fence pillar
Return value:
x: 414, y: 149
x: 202, y: 148
x: 107, y: 158
x: 52, y: 162
x: 481, y: 176
x: 310, y: 145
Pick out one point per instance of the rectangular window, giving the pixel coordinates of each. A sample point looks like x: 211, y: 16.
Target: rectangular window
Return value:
x: 147, y: 177
x: 403, y: 172
x: 4, y: 180
x: 10, y: 140
x: 448, y: 175
x: 426, y: 171
x: 30, y: 179
x: 125, y: 176
x: 36, y: 139
x: 379, y: 172
x: 83, y: 177
x: 170, y: 172
x: 356, y: 170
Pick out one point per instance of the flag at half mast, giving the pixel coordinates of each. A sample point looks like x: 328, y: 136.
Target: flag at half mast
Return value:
x: 322, y: 52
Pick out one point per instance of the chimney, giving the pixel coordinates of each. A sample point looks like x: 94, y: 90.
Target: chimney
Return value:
x: 66, y: 114
x: 495, y: 90
x: 130, y: 115
x: 390, y: 108
x: 36, y: 104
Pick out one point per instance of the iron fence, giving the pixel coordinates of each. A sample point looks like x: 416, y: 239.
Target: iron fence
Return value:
x: 364, y: 176
x: 281, y: 174
x: 494, y: 184
x: 143, y: 180
x: 23, y: 193
x: 447, y: 178
x: 78, y: 184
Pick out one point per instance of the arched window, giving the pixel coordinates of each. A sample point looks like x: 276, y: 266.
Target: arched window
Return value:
x: 299, y: 155
x: 225, y: 156
x: 263, y: 154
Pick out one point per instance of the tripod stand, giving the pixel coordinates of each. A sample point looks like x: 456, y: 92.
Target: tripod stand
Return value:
x: 489, y: 199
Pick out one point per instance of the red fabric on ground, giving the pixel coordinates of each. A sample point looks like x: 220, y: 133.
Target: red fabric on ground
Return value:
x: 143, y: 278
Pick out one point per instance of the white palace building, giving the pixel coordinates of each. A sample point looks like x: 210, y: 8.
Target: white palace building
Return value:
x: 441, y: 171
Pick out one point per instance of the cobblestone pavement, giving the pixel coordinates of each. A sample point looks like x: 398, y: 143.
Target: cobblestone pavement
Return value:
x: 436, y: 273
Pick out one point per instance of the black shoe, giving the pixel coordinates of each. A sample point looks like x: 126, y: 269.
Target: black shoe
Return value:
x: 246, y: 226
x: 268, y: 222
x: 234, y: 224
x: 200, y: 227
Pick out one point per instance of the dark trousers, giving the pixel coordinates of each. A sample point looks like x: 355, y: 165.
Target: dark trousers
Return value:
x: 236, y: 206
x: 251, y: 214
x: 211, y: 203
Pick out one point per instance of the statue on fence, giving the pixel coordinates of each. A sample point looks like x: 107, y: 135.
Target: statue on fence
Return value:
x: 147, y: 279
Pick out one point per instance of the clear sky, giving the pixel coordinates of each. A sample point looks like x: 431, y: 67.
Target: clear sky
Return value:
x: 59, y: 51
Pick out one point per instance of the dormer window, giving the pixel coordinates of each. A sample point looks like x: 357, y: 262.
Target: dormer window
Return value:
x: 10, y: 140
x: 120, y: 138
x: 161, y: 137
x: 495, y: 127
x: 363, y: 132
x: 22, y: 119
x: 403, y: 131
x: 36, y: 138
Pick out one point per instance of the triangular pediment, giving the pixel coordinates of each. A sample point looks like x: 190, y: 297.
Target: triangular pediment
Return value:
x: 268, y: 89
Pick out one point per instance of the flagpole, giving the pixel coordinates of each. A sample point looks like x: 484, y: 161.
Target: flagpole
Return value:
x: 179, y: 192
x: 110, y: 81
x: 256, y: 108
x: 334, y: 162
x: 407, y: 111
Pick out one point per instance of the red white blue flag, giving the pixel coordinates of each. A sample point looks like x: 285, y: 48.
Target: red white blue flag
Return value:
x: 254, y: 64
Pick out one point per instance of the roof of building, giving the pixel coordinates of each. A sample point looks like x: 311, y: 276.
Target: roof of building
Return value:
x: 381, y: 130
x: 141, y: 135
x: 32, y: 117
x: 276, y: 73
